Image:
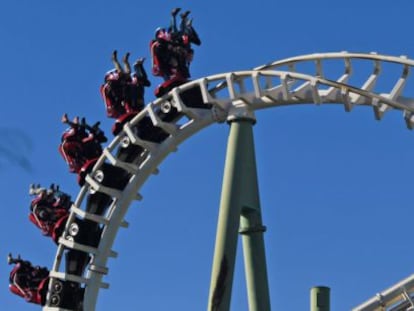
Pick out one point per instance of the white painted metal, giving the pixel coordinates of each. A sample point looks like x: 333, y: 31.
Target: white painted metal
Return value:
x: 245, y: 92
x: 392, y: 297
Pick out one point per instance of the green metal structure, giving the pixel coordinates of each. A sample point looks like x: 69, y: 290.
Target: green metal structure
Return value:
x: 240, y: 213
x: 320, y: 298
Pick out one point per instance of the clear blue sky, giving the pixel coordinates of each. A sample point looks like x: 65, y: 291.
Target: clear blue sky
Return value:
x: 336, y: 187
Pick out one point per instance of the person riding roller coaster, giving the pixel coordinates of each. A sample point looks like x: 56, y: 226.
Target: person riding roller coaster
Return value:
x: 172, y: 54
x: 183, y: 37
x: 28, y: 281
x: 32, y: 283
x: 123, y: 92
x: 81, y: 146
x: 49, y: 210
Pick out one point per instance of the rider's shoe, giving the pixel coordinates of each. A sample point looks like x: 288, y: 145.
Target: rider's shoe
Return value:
x: 185, y: 14
x: 139, y: 61
x: 175, y: 11
x: 114, y: 55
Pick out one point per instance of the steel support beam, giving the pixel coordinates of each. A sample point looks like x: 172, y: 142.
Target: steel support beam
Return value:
x: 320, y: 298
x: 239, y: 200
x: 252, y: 229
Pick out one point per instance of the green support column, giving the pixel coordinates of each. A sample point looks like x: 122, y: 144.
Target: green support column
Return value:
x: 251, y: 229
x: 320, y: 298
x: 238, y: 189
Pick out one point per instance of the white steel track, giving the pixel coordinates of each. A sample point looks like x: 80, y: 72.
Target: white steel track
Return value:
x: 232, y: 95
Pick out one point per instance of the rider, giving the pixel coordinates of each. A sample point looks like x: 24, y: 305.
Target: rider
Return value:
x: 53, y: 195
x: 121, y: 91
x: 49, y: 210
x: 163, y: 55
x: 135, y: 88
x: 169, y: 61
x: 172, y: 53
x: 28, y: 281
x: 113, y: 89
x: 80, y: 143
x: 185, y: 37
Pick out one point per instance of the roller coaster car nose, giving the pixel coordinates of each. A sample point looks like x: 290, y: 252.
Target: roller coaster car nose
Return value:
x: 168, y: 85
x: 86, y: 168
x: 119, y: 123
x: 100, y: 137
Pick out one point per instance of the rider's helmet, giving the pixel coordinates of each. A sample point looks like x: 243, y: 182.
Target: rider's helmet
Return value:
x: 158, y: 31
x: 111, y: 75
x: 162, y: 33
x: 73, y: 133
x: 69, y: 133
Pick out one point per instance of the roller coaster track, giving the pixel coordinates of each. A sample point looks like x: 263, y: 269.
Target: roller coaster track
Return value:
x: 226, y: 96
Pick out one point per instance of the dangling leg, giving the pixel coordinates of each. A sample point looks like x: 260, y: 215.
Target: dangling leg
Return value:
x: 116, y: 62
x: 192, y: 34
x: 183, y: 24
x: 140, y: 72
x: 173, y: 23
x: 127, y: 66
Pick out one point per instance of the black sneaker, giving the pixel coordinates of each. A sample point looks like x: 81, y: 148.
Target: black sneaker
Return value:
x: 185, y: 14
x: 175, y: 11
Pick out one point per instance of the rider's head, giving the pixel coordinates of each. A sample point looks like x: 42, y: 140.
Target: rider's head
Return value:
x: 111, y: 75
x: 162, y: 33
x: 158, y: 30
x: 69, y: 133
